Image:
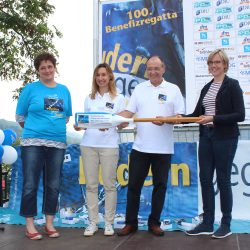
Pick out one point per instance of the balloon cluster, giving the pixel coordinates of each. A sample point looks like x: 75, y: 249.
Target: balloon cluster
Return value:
x: 8, y: 155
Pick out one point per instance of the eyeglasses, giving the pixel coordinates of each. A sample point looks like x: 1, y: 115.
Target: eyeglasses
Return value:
x: 214, y: 62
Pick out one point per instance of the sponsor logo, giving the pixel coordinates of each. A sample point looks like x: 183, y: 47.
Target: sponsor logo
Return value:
x: 109, y: 105
x: 223, y: 17
x: 244, y: 7
x: 232, y: 65
x: 243, y: 16
x: 203, y: 27
x: 243, y: 24
x: 162, y: 97
x: 244, y: 1
x: 246, y: 40
x: 246, y: 48
x: 231, y: 58
x: 245, y: 65
x: 225, y: 34
x: 244, y: 57
x: 203, y: 35
x: 244, y: 32
x: 202, y: 20
x: 202, y: 4
x: 220, y: 2
x: 224, y: 41
x: 245, y: 72
x: 229, y: 49
x: 201, y: 58
x: 224, y: 26
x: 203, y: 43
x: 203, y: 11
x: 223, y: 10
x: 203, y: 51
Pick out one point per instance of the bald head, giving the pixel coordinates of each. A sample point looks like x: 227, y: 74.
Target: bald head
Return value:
x: 155, y: 70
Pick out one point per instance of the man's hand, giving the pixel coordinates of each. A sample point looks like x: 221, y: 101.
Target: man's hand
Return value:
x: 177, y: 116
x: 158, y: 123
x: 103, y: 129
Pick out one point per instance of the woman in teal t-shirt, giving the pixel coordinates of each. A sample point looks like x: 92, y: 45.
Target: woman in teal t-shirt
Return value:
x: 43, y: 109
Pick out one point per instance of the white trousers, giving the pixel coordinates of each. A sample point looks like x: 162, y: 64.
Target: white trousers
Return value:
x: 107, y: 159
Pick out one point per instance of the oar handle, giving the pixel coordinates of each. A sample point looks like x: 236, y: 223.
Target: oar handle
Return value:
x: 168, y: 119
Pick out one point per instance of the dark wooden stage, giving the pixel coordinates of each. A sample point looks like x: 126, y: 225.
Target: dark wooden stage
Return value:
x: 13, y: 238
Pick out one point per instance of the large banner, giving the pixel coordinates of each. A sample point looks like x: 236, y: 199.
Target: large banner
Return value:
x: 213, y: 24
x: 240, y: 182
x: 183, y: 33
x: 132, y: 31
x: 181, y: 198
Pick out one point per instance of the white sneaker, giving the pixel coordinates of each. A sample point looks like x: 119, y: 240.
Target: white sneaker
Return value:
x: 108, y: 231
x: 90, y: 230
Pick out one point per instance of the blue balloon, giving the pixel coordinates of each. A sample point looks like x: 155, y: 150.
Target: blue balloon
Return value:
x: 1, y: 153
x: 10, y: 137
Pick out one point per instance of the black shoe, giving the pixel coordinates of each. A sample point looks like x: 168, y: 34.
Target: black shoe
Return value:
x: 222, y: 232
x: 155, y: 230
x: 201, y: 229
x: 128, y: 229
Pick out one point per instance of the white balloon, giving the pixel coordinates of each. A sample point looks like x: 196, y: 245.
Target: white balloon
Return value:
x: 2, y: 136
x: 9, y: 155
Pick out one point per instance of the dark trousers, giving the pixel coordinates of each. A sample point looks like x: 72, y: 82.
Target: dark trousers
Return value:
x: 138, y: 170
x: 216, y: 154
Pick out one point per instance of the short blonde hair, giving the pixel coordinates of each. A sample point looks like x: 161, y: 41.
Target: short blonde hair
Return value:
x: 112, y: 86
x: 222, y: 55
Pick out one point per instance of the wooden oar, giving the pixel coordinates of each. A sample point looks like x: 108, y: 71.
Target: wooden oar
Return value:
x: 170, y: 119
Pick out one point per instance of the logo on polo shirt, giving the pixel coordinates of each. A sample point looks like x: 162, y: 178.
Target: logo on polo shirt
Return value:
x: 162, y: 97
x: 109, y: 105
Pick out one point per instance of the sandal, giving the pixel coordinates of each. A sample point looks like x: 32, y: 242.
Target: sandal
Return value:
x: 52, y: 233
x: 33, y: 236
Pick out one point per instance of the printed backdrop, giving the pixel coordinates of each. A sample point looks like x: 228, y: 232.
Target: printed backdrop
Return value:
x: 183, y: 199
x: 133, y: 31
x: 183, y: 33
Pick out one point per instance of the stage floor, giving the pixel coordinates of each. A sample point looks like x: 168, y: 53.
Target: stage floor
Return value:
x: 13, y: 238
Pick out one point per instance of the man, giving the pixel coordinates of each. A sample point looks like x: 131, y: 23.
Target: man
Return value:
x: 153, y: 145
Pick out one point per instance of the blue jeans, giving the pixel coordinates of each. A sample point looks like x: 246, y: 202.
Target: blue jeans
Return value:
x: 138, y: 170
x: 35, y: 160
x: 216, y: 154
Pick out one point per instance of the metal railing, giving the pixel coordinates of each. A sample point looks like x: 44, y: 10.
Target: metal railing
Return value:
x: 182, y: 133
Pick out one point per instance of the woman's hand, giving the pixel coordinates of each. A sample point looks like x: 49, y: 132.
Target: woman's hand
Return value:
x: 78, y: 128
x: 206, y: 119
x: 122, y: 125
